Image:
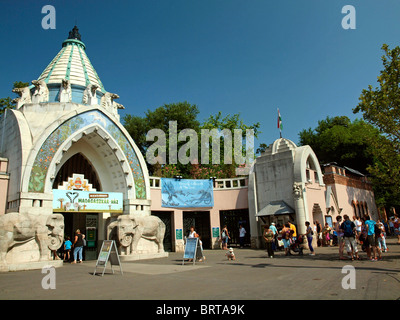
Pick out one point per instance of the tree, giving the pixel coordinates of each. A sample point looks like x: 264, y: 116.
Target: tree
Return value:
x: 185, y: 115
x: 224, y: 154
x: 381, y: 108
x: 339, y: 140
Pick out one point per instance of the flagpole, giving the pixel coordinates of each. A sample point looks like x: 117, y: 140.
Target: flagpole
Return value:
x: 280, y: 124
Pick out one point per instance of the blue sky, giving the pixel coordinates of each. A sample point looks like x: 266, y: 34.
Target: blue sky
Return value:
x: 249, y: 57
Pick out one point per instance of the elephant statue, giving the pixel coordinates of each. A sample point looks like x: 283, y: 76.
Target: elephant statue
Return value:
x: 19, y: 228
x: 131, y: 228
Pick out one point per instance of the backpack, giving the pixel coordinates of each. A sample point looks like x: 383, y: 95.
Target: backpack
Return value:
x: 348, y: 229
x: 377, y: 230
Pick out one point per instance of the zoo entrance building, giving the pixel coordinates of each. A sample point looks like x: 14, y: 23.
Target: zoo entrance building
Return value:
x: 64, y: 154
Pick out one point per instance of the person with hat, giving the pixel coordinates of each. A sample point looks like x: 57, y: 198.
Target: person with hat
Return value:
x: 275, y: 231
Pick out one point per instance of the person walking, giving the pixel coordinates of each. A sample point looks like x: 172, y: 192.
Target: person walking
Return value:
x: 286, y: 238
x: 380, y: 232
x: 372, y: 239
x: 358, y: 224
x: 348, y: 228
x: 225, y: 237
x: 269, y: 239
x: 293, y: 228
x: 326, y: 235
x: 391, y: 226
x: 78, y: 246
x: 319, y: 233
x: 242, y: 234
x: 396, y: 226
x: 363, y: 238
x: 340, y: 235
x: 67, y: 249
x: 309, y: 235
x: 275, y: 231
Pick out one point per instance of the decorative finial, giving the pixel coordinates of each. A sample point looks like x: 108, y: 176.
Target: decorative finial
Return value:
x: 74, y: 34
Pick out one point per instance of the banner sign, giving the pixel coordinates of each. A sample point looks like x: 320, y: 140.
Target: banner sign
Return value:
x: 193, y: 250
x: 187, y: 193
x: 87, y: 201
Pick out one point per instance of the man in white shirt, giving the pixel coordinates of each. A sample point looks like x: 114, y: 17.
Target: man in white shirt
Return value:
x: 358, y: 224
x: 242, y: 234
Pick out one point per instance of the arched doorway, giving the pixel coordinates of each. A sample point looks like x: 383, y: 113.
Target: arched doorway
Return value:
x: 77, y: 164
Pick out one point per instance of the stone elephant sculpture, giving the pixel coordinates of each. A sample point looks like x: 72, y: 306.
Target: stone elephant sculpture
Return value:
x: 19, y: 228
x: 131, y: 229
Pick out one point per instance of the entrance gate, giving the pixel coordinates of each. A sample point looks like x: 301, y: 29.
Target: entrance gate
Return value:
x: 200, y: 220
x: 166, y: 218
x: 233, y: 219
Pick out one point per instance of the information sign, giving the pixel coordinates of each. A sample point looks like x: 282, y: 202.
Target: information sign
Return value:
x: 108, y: 252
x: 215, y: 232
x: 179, y: 234
x: 193, y: 250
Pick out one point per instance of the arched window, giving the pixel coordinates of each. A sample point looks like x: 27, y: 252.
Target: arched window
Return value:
x: 355, y: 209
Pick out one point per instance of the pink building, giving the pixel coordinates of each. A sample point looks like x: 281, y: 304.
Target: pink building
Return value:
x: 230, y: 208
x: 350, y: 193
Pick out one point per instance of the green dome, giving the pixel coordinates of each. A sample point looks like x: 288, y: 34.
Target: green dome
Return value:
x: 72, y: 64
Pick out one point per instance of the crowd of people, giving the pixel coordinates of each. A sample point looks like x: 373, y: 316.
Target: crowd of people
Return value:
x: 348, y: 235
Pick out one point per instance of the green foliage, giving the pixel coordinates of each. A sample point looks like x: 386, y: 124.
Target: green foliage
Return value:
x: 183, y: 113
x: 6, y: 103
x: 381, y: 108
x: 186, y: 115
x: 340, y: 140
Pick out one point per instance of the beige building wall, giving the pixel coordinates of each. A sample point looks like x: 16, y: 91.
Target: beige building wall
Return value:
x: 4, y: 178
x: 354, y: 193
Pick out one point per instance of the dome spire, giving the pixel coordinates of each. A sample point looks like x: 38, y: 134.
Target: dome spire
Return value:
x: 74, y: 34
x: 72, y: 64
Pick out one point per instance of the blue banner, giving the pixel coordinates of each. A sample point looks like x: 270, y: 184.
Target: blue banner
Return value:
x: 186, y: 193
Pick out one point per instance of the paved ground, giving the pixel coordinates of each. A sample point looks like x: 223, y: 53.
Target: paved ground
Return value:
x: 252, y: 276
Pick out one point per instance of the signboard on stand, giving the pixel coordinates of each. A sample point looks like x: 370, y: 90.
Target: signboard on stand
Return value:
x: 193, y: 250
x: 108, y: 252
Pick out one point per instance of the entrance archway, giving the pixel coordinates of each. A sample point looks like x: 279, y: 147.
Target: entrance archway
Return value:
x: 77, y: 164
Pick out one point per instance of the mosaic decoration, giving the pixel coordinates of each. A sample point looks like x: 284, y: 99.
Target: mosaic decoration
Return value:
x: 58, y: 136
x: 77, y: 182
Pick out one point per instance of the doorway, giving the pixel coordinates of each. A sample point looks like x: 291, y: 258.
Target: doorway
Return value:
x: 87, y: 223
x: 233, y: 219
x: 200, y: 220
x: 165, y: 217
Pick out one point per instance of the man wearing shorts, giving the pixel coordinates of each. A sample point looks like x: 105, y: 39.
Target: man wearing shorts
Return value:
x: 348, y: 227
x: 372, y: 239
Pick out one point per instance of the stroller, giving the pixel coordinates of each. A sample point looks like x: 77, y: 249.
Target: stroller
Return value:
x: 296, y: 246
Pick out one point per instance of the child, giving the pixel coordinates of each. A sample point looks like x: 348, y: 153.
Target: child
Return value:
x: 230, y: 254
x: 67, y: 249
